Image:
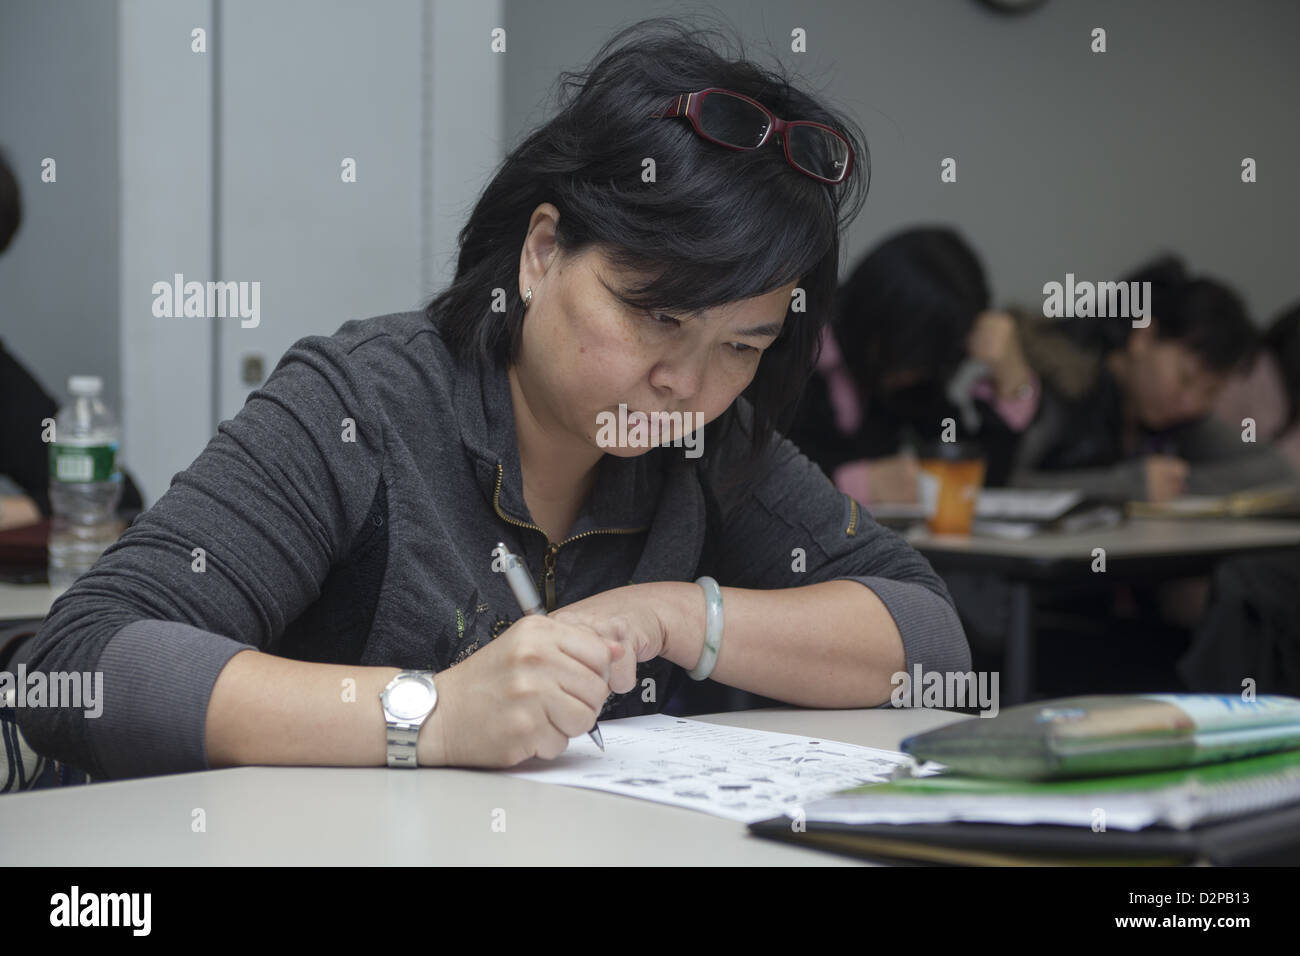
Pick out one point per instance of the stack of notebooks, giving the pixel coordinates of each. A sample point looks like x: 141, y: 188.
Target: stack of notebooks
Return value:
x: 1157, y: 779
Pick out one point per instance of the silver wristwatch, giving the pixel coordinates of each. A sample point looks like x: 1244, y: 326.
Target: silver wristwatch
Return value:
x: 408, y: 700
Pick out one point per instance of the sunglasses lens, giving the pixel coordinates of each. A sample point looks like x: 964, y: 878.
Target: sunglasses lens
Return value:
x: 818, y: 151
x: 732, y: 120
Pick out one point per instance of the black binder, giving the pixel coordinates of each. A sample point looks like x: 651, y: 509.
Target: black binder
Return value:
x: 1271, y: 838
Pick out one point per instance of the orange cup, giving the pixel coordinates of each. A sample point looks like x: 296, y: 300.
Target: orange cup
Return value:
x: 952, y: 474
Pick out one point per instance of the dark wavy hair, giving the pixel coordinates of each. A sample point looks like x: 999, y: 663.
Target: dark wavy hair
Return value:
x: 1283, y: 340
x: 909, y: 305
x: 11, y: 204
x: 1200, y: 313
x: 718, y: 226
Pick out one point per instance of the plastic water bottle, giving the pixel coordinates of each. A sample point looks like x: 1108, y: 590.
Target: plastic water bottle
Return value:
x: 85, y: 482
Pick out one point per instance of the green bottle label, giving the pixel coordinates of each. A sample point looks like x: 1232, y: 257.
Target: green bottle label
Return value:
x: 83, y: 463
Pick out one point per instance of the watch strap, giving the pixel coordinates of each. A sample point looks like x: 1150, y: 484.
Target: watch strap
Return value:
x: 402, y: 735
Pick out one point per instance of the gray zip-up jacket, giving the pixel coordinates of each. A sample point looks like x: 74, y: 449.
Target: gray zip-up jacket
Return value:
x: 348, y: 514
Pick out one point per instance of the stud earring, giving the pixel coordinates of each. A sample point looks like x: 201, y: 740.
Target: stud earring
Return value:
x: 528, y: 297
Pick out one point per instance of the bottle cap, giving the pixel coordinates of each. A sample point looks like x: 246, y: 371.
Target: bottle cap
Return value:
x: 85, y: 385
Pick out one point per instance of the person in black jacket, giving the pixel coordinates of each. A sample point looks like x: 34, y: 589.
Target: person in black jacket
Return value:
x: 912, y: 341
x: 24, y: 404
x: 1125, y: 412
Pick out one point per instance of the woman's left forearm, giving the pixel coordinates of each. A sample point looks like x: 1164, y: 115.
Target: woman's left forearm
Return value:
x: 832, y: 644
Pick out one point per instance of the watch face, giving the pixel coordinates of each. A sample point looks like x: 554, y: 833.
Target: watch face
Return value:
x: 410, y: 699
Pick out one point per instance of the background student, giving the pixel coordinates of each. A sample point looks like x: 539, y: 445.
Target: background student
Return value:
x: 24, y: 404
x: 1126, y: 412
x: 909, y: 321
x: 1269, y: 393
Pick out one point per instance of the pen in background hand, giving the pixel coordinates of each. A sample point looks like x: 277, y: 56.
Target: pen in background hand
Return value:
x: 530, y: 603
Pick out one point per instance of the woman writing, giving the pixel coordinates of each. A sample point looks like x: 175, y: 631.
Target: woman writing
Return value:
x: 341, y: 529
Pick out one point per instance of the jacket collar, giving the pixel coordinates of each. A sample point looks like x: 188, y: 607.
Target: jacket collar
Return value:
x: 626, y: 492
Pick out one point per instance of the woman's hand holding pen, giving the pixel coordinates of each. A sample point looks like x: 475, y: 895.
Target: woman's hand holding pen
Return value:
x: 635, y: 612
x: 542, y: 681
x: 661, y: 619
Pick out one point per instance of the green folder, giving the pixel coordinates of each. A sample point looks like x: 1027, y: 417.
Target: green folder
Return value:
x: 1239, y: 812
x: 1107, y: 734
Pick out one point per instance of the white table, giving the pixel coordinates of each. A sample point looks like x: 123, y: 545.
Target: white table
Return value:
x: 374, y: 816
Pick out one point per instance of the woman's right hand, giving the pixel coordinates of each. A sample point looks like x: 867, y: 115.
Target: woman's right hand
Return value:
x: 894, y: 479
x: 540, y: 682
x: 1166, y: 477
x: 995, y: 340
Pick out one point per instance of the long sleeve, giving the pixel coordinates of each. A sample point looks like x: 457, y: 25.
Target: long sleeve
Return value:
x: 1060, y: 431
x: 272, y: 501
x: 1221, y: 463
x: 791, y: 527
x: 1259, y: 394
x: 1016, y: 412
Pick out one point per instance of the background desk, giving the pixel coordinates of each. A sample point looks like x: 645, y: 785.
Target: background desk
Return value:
x: 22, y: 608
x: 376, y: 816
x: 25, y: 601
x: 1149, y: 549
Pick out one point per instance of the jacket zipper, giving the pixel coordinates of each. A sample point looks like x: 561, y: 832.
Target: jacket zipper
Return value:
x: 851, y: 530
x: 547, y: 580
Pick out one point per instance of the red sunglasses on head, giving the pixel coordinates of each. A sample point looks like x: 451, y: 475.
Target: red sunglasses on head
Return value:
x: 738, y: 122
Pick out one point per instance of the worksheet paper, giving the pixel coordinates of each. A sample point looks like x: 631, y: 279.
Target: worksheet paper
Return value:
x: 743, y: 775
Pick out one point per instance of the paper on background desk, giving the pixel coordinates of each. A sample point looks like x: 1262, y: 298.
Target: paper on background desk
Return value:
x: 732, y: 772
x: 1002, y: 504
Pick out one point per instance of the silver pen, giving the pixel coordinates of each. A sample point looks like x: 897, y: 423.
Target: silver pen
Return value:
x: 531, y: 603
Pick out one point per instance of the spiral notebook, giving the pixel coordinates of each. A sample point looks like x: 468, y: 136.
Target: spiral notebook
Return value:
x: 1238, y: 812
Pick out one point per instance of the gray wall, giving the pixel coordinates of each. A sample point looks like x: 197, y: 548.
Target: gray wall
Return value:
x: 1068, y: 161
x: 303, y: 84
x: 165, y: 94
x: 59, y: 277
x: 229, y: 170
